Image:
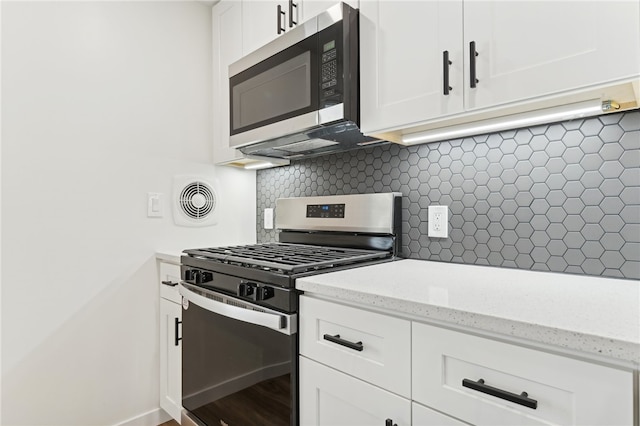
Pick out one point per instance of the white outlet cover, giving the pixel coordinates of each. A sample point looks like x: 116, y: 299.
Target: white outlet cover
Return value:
x: 268, y: 218
x: 438, y: 222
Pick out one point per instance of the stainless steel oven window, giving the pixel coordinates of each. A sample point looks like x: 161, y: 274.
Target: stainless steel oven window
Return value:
x: 279, y: 90
x: 236, y: 372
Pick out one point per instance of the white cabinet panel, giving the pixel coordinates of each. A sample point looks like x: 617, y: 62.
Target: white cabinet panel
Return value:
x: 535, y: 48
x: 402, y: 77
x: 384, y: 358
x: 331, y: 398
x: 260, y: 23
x: 170, y: 358
x: 567, y: 391
x: 423, y: 416
x: 227, y: 48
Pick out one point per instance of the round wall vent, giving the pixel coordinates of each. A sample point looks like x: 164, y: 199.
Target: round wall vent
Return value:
x: 195, y: 201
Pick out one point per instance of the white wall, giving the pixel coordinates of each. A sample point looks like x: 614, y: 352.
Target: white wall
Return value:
x: 102, y: 102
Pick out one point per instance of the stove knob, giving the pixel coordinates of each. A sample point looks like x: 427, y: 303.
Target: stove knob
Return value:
x: 264, y: 293
x: 245, y: 290
x: 205, y: 277
x: 190, y: 274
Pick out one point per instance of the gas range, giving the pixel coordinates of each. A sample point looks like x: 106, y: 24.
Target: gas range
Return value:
x: 240, y: 305
x: 317, y: 235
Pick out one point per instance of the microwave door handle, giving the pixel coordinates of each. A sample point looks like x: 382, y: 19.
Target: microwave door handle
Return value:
x: 281, y: 323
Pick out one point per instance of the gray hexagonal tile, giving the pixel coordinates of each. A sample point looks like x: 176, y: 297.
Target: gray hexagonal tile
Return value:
x: 612, y: 241
x: 556, y: 230
x: 611, y: 205
x: 557, y: 263
x: 574, y: 206
x: 592, y: 267
x: 573, y: 189
x: 631, y: 231
x: 631, y: 214
x: 592, y: 232
x: 555, y: 132
x: 557, y: 247
x: 613, y: 259
x: 631, y: 269
x: 631, y: 251
x: 630, y: 121
x: 611, y: 169
x: 540, y: 238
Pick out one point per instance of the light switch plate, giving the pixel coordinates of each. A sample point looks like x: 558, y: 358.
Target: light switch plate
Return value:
x: 154, y: 204
x: 438, y: 222
x: 268, y: 218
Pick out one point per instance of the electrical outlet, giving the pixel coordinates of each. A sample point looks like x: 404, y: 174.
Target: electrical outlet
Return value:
x: 438, y: 222
x: 268, y: 218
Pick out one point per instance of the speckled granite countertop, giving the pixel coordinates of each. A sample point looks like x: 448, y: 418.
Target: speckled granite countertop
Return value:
x: 593, y: 315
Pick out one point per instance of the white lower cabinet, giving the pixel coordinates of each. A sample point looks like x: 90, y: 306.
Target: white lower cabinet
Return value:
x: 170, y: 345
x: 487, y: 382
x: 329, y: 397
x: 423, y: 416
x: 455, y: 378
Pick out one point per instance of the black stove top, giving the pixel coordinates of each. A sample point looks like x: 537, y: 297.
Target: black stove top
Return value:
x: 285, y: 258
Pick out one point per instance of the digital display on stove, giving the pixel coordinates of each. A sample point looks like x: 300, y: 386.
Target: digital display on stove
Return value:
x: 334, y: 211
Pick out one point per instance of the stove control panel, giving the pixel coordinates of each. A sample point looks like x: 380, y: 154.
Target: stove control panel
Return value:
x: 326, y: 210
x: 195, y: 276
x: 254, y: 291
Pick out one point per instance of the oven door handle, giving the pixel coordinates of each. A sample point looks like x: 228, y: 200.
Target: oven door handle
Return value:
x: 282, y: 323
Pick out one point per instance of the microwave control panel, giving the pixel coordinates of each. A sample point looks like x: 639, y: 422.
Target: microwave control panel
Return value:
x: 330, y: 55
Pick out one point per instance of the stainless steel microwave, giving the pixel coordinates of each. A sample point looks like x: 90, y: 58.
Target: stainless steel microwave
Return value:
x: 298, y: 96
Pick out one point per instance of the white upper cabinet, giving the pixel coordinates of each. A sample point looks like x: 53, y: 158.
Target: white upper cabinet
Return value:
x: 227, y: 48
x: 537, y: 48
x: 528, y: 52
x: 402, y: 48
x: 265, y: 20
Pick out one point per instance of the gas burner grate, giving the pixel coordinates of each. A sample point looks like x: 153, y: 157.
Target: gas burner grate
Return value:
x: 289, y: 258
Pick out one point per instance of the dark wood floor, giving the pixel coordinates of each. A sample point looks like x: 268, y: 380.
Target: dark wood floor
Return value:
x: 170, y: 423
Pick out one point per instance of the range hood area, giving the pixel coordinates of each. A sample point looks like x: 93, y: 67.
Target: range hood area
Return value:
x: 322, y: 140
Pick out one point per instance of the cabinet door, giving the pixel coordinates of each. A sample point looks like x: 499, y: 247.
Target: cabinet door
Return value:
x: 328, y: 397
x: 260, y: 22
x: 227, y: 48
x: 528, y: 49
x: 170, y: 358
x: 402, y: 62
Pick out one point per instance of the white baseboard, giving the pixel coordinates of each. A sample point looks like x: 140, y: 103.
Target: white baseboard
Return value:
x: 150, y: 418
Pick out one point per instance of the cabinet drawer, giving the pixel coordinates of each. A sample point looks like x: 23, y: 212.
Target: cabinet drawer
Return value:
x: 423, y: 416
x: 169, y: 272
x: 566, y: 391
x: 331, y: 398
x: 384, y: 358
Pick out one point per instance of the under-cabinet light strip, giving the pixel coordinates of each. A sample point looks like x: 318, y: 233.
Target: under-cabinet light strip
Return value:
x: 514, y: 121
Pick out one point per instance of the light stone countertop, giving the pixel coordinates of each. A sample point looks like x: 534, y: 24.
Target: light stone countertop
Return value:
x: 171, y: 256
x: 592, y: 315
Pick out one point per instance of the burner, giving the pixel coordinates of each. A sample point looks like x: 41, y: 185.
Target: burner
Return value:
x: 287, y: 258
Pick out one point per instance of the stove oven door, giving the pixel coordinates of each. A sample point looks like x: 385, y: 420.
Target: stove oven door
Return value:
x: 239, y: 362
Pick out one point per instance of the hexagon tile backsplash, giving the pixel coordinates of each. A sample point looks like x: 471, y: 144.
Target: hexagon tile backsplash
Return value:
x: 563, y: 197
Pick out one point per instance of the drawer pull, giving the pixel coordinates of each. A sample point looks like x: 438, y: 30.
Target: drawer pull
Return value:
x: 336, y: 339
x: 170, y: 283
x: 522, y: 399
x: 389, y: 422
